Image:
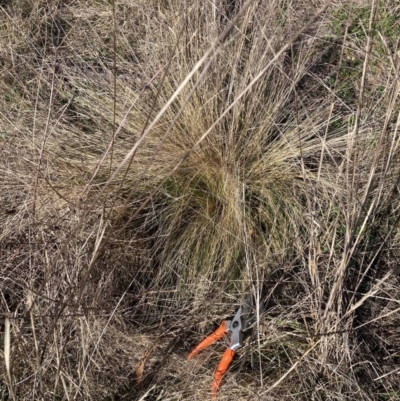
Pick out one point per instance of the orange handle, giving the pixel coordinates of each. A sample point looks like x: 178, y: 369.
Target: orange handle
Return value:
x: 216, y: 335
x: 221, y: 370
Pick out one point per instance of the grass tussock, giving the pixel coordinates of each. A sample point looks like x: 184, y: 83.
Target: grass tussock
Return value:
x: 161, y: 159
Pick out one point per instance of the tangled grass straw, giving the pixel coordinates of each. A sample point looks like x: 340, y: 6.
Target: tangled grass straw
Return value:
x: 126, y: 231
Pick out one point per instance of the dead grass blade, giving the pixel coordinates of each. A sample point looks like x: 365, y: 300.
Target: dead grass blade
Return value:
x: 7, y: 355
x: 140, y: 366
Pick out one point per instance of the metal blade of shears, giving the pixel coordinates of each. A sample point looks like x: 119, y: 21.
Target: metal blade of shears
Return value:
x: 254, y: 312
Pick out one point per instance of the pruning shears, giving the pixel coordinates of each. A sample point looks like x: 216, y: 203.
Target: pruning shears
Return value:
x: 244, y: 320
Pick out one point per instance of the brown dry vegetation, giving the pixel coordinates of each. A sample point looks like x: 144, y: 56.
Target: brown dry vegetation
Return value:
x: 159, y: 159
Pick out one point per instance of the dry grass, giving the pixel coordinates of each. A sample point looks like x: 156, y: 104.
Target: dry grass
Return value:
x: 161, y: 159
